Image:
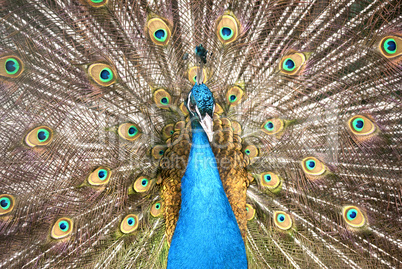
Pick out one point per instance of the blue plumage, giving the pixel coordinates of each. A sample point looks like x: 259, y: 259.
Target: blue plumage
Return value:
x: 207, y: 234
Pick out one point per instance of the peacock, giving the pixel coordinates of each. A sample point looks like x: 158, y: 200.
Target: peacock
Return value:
x: 200, y: 134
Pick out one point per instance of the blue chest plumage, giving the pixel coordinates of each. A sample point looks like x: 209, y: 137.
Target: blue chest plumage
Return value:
x: 207, y: 234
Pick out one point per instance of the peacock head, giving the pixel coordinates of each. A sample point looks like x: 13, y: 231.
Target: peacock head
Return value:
x: 200, y: 103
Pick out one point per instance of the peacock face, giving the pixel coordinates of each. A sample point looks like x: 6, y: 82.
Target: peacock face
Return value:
x: 201, y: 105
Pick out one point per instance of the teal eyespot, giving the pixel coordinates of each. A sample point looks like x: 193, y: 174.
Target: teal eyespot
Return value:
x: 164, y: 101
x: 269, y: 126
x: 12, y: 66
x: 280, y: 218
x: 226, y: 33
x: 160, y: 35
x: 227, y: 28
x: 106, y: 75
x: 267, y: 177
x: 144, y: 182
x: 310, y: 164
x: 5, y: 203
x: 352, y: 214
x: 156, y: 209
x: 131, y: 221
x: 158, y: 205
x: 283, y: 220
x: 288, y: 65
x: 132, y: 131
x: 96, y: 1
x: 232, y: 98
x: 102, y: 174
x: 358, y: 124
x: 247, y: 151
x: 64, y: 226
x: 161, y: 152
x: 43, y: 135
x: 390, y: 46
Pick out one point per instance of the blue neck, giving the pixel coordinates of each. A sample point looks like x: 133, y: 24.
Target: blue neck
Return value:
x: 206, y: 234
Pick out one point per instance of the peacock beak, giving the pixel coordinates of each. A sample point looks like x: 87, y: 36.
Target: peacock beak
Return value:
x: 206, y: 123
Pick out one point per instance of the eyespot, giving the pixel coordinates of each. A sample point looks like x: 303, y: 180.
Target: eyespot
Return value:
x: 361, y: 126
x: 129, y: 131
x: 62, y: 228
x: 100, y: 176
x: 102, y: 74
x: 271, y: 181
x: 251, y: 151
x: 168, y: 131
x: 291, y: 64
x: 40, y: 136
x: 129, y: 224
x: 236, y: 128
x: 157, y: 209
x: 272, y: 126
x: 7, y: 203
x: 142, y: 184
x: 282, y: 220
x: 353, y: 216
x: 227, y: 28
x: 11, y: 66
x: 158, y: 31
x: 391, y: 46
x: 250, y: 212
x: 97, y: 3
x: 234, y: 95
x: 158, y: 151
x: 312, y: 166
x: 162, y: 99
x: 192, y: 74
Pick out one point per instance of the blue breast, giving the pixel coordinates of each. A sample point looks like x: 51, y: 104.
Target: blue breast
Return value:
x: 206, y: 234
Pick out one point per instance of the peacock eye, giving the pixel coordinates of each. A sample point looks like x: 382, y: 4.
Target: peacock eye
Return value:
x: 40, y: 136
x: 282, y: 220
x: 129, y: 224
x: 6, y: 204
x: 251, y: 151
x: 167, y: 131
x: 234, y: 95
x: 62, y: 228
x: 157, y: 209
x: 288, y: 65
x: 227, y: 28
x: 272, y: 126
x: 129, y: 131
x: 158, y: 31
x: 102, y: 74
x: 291, y: 64
x: 158, y: 151
x: 361, y: 126
x: 250, y: 212
x: 100, y: 176
x: 106, y: 75
x: 162, y: 99
x: 12, y: 66
x: 353, y: 216
x: 142, y: 184
x: 312, y: 166
x: 192, y: 74
x: 391, y: 46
